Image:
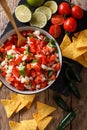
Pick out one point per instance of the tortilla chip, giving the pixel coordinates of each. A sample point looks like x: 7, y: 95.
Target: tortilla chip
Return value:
x: 30, y: 99
x: 42, y: 124
x: 85, y: 56
x: 43, y: 111
x: 19, y: 98
x: 66, y: 42
x: 1, y: 84
x: 14, y: 125
x: 28, y: 124
x: 10, y: 106
x: 25, y: 100
x: 67, y: 52
x: 78, y: 51
x: 75, y: 36
x: 72, y: 52
x: 81, y: 60
x: 82, y: 39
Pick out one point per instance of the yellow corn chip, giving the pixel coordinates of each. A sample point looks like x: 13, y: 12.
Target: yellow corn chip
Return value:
x: 82, y: 39
x: 66, y: 42
x: 78, y: 51
x: 43, y: 111
x: 82, y: 61
x: 25, y: 100
x: 14, y: 125
x: 10, y: 106
x: 28, y: 125
x: 72, y: 52
x: 42, y: 124
x: 85, y: 56
x: 19, y: 98
x: 0, y: 84
x: 67, y: 52
x: 30, y: 99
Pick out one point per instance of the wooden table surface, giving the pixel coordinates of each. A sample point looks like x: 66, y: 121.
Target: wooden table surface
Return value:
x: 80, y: 122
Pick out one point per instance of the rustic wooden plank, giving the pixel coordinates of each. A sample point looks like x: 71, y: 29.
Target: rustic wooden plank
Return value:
x: 80, y: 123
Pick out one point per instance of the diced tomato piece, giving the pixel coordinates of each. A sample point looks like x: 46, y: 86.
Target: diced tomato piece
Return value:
x: 37, y: 67
x: 28, y: 67
x: 2, y: 50
x: 53, y: 77
x: 38, y: 79
x: 46, y: 50
x: 33, y: 85
x: 15, y: 72
x: 33, y: 73
x: 57, y: 66
x: 52, y: 58
x: 8, y: 43
x: 29, y: 57
x: 44, y: 59
x: 32, y: 40
x: 18, y: 60
x: 10, y: 79
x: 14, y: 39
x: 24, y: 33
x: 43, y: 84
x: 21, y: 50
x: 3, y: 73
x: 19, y: 85
x: 41, y: 43
x: 32, y: 48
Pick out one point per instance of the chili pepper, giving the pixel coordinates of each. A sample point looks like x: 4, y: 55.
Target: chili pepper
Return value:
x: 66, y: 120
x: 61, y: 103
x: 74, y: 89
x: 72, y: 74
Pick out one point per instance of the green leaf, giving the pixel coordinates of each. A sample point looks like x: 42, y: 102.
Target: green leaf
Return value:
x: 50, y: 73
x: 52, y: 43
x: 27, y: 51
x: 22, y: 70
x: 10, y: 57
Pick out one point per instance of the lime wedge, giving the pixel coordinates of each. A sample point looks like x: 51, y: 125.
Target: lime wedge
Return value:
x: 52, y: 5
x: 23, y: 13
x: 38, y: 19
x: 47, y: 11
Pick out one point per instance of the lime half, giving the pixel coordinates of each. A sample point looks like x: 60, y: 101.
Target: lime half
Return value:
x: 52, y: 5
x: 35, y: 3
x: 38, y: 19
x: 23, y: 13
x: 47, y: 11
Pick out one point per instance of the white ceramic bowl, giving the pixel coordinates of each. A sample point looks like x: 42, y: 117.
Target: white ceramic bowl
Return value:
x: 5, y: 37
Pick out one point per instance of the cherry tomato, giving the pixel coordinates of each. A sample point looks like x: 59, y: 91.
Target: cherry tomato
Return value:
x: 77, y: 12
x: 70, y: 24
x: 57, y: 19
x: 64, y: 8
x: 55, y: 30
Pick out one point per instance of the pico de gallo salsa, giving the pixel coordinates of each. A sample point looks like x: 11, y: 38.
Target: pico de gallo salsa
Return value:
x: 32, y: 66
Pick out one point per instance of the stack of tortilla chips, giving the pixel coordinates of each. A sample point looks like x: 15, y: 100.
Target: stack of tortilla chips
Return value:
x: 17, y: 102
x: 77, y: 48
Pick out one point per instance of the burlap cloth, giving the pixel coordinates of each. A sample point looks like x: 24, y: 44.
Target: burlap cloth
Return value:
x: 3, y: 18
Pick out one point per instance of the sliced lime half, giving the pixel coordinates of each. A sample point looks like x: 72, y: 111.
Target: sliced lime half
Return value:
x: 38, y: 19
x: 47, y: 11
x: 23, y: 13
x: 52, y: 5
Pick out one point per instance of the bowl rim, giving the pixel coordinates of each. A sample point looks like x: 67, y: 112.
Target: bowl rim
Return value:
x: 11, y: 32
